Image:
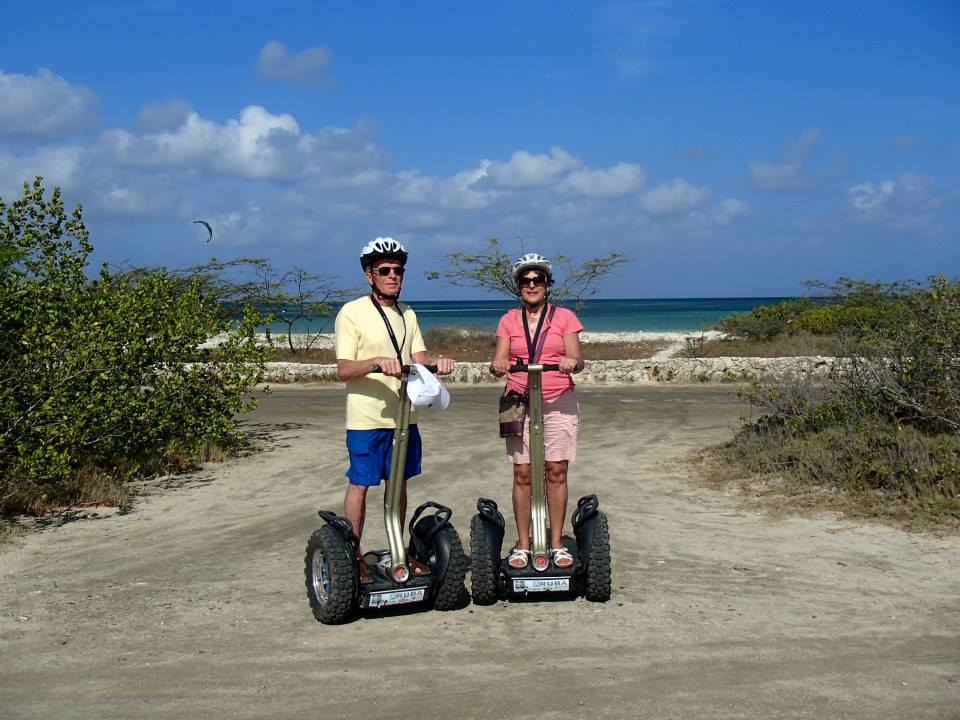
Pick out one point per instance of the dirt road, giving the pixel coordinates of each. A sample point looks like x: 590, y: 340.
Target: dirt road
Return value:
x: 193, y: 605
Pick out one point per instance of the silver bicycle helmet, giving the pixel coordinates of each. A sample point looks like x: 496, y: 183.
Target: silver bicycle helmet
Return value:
x: 533, y: 261
x: 380, y: 249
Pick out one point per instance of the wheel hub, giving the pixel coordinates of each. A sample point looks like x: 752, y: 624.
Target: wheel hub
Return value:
x: 321, y: 576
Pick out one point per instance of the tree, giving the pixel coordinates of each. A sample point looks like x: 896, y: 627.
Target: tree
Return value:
x: 288, y: 296
x: 105, y: 378
x: 295, y: 295
x: 492, y: 270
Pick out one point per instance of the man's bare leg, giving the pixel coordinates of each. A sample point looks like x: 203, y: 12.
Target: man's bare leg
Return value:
x: 355, y: 508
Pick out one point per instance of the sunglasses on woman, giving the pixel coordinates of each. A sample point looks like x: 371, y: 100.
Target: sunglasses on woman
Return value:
x: 385, y: 270
x: 535, y: 281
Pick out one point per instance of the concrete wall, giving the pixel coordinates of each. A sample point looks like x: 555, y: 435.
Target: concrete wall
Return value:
x: 602, y: 372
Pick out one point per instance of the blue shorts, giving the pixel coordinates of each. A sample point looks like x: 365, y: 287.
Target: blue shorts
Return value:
x: 370, y: 453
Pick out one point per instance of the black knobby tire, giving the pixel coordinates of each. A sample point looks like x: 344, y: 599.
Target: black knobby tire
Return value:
x: 483, y: 570
x: 452, y: 591
x: 328, y: 550
x: 597, y: 574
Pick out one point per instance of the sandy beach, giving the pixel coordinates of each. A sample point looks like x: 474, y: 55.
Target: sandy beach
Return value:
x: 192, y: 605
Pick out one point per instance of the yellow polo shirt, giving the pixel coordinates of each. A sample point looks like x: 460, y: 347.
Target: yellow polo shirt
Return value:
x: 373, y: 400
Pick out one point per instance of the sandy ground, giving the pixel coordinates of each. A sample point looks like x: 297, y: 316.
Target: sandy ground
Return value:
x: 193, y: 605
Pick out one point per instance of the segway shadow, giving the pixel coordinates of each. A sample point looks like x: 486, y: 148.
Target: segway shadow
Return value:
x: 332, y: 575
x: 493, y: 578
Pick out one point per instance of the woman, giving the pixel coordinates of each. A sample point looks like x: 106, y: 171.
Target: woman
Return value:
x: 553, y: 335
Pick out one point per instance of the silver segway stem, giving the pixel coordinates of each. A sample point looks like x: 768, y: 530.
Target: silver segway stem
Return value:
x: 391, y: 495
x: 538, y: 489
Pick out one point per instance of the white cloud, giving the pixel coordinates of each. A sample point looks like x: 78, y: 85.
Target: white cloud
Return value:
x: 413, y: 188
x: 728, y: 210
x: 866, y: 197
x: 257, y: 145
x: 789, y: 172
x: 907, y: 202
x: 44, y: 106
x: 57, y: 165
x: 524, y: 170
x: 305, y: 69
x: 119, y: 201
x: 674, y: 197
x: 161, y: 116
x: 617, y: 181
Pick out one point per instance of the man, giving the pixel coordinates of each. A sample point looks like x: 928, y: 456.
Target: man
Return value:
x: 375, y: 336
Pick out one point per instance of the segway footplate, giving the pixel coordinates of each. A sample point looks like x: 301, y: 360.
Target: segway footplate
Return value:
x: 539, y: 584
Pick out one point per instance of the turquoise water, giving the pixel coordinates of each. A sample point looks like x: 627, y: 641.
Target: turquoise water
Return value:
x: 610, y: 315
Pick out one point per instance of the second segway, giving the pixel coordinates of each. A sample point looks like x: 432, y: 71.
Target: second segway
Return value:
x: 492, y: 577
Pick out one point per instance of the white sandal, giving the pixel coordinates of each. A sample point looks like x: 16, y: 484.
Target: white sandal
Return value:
x: 561, y: 557
x: 521, y: 555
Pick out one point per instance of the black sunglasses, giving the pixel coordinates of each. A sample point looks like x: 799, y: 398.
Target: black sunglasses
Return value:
x: 536, y: 281
x: 385, y: 270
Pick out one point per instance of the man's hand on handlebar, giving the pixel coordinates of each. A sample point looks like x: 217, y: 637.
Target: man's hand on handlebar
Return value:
x: 387, y: 365
x: 444, y: 365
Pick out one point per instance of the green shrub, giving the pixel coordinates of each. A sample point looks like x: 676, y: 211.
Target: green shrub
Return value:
x: 104, y: 376
x: 766, y: 321
x: 888, y: 417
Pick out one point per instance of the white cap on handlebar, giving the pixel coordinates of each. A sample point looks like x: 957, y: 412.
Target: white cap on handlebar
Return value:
x: 424, y: 390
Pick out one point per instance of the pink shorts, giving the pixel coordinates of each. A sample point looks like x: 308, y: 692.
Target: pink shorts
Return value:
x: 561, y: 426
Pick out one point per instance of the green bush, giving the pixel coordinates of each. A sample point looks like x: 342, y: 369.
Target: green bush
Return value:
x: 104, y: 377
x: 766, y: 321
x: 847, y: 307
x: 888, y: 417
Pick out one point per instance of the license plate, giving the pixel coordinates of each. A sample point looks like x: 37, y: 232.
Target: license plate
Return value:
x: 541, y: 584
x: 396, y: 597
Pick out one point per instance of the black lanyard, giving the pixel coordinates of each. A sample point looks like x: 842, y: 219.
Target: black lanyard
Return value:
x: 393, y: 338
x: 533, y: 352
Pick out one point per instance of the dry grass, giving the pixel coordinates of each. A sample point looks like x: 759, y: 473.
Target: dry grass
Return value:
x: 789, y: 491
x: 92, y: 487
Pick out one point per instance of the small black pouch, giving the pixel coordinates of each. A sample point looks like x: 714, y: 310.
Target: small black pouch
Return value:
x: 513, y: 408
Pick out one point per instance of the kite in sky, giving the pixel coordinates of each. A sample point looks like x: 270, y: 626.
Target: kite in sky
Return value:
x: 207, y: 226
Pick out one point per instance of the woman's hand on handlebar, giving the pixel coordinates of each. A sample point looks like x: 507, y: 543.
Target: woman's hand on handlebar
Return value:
x: 500, y: 367
x: 569, y: 365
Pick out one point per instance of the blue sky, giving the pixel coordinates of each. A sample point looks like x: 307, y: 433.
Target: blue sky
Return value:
x: 730, y: 148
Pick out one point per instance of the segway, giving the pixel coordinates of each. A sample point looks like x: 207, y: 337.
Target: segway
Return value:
x: 491, y: 575
x: 332, y: 577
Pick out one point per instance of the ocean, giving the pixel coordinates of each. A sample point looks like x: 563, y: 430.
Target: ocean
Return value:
x: 605, y: 315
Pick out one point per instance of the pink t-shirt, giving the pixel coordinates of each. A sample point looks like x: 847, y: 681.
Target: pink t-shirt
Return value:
x: 558, y: 323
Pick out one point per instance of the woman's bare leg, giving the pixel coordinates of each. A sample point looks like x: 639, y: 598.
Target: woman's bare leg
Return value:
x: 556, y: 499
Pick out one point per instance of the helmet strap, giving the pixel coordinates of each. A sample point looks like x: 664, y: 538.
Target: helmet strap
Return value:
x: 374, y: 290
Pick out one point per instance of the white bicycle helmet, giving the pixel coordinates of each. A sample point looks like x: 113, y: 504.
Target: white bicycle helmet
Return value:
x: 533, y: 261
x: 381, y: 248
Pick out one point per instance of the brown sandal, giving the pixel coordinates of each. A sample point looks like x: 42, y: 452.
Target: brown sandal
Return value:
x: 417, y: 568
x: 363, y: 572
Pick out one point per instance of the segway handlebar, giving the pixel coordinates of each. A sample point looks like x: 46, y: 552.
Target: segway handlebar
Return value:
x: 405, y: 370
x: 526, y: 368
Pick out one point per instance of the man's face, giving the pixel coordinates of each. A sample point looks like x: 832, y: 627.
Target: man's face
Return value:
x: 386, y: 276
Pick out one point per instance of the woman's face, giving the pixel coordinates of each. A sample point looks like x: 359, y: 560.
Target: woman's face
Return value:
x: 533, y: 287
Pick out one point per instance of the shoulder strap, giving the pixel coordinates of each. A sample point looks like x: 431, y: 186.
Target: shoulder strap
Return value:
x: 393, y: 338
x: 533, y: 351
